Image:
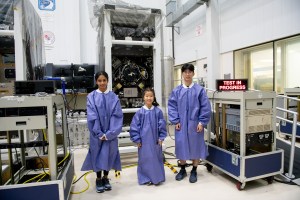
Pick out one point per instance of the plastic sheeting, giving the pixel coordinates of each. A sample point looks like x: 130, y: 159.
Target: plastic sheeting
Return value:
x: 32, y: 30
x: 6, y: 15
x: 127, y: 19
x: 96, y: 8
x: 34, y: 37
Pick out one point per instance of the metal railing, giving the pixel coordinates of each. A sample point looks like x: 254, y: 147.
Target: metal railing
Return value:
x: 293, y: 136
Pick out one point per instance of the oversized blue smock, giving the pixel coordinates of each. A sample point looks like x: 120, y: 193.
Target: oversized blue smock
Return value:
x: 147, y: 127
x: 104, y: 116
x: 189, y: 106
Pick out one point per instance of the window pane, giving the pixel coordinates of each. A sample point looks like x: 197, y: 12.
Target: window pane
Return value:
x: 262, y: 69
x: 292, y: 63
x: 287, y: 68
x: 177, y: 76
x: 279, y: 68
x: 256, y: 65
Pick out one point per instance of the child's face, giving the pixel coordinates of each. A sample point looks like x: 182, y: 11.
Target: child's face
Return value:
x: 148, y: 98
x: 102, y: 83
x: 187, y: 75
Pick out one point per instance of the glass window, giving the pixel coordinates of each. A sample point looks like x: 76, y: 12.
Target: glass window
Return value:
x: 267, y: 73
x: 256, y: 65
x: 287, y: 61
x: 178, y: 77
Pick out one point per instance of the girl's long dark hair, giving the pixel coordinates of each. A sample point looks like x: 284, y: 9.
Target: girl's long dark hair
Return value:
x: 101, y: 73
x: 148, y: 89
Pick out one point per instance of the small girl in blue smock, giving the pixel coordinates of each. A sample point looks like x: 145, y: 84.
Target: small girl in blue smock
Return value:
x: 148, y: 131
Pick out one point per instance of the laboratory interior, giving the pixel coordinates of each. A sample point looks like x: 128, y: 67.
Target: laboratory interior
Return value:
x: 149, y: 99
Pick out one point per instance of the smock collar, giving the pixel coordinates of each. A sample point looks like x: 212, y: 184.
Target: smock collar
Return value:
x: 105, y: 92
x: 146, y: 108
x: 183, y: 85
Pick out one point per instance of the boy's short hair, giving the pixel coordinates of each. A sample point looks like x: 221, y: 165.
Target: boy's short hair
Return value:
x: 187, y: 66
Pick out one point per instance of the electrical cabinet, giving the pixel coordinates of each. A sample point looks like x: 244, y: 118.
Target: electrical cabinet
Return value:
x: 242, y: 139
x: 27, y: 176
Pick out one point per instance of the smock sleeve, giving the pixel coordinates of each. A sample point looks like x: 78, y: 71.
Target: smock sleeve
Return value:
x: 116, y: 122
x: 93, y: 119
x: 135, y: 128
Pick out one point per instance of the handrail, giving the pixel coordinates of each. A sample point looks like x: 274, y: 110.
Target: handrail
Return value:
x: 287, y: 97
x: 7, y: 32
x: 294, y: 130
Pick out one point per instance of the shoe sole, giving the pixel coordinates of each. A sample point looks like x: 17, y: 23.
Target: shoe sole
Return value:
x: 100, y: 191
x: 185, y: 175
x: 193, y: 181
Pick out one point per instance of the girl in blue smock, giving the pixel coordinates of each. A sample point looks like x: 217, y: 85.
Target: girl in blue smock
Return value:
x: 189, y: 110
x: 105, y: 119
x: 148, y: 131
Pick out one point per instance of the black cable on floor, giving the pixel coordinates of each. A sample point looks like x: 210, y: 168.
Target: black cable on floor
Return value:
x: 81, y: 177
x: 285, y: 182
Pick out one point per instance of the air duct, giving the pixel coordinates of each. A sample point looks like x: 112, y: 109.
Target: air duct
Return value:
x: 176, y: 15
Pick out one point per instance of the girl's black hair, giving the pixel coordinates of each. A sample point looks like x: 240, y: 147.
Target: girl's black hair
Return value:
x: 187, y: 66
x: 101, y: 73
x: 148, y: 89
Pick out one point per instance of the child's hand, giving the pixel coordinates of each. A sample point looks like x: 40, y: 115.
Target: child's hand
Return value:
x: 177, y: 126
x: 160, y: 142
x: 103, y: 137
x: 139, y: 145
x: 199, y: 128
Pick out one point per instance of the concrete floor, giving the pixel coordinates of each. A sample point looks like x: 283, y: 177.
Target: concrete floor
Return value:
x: 214, y: 185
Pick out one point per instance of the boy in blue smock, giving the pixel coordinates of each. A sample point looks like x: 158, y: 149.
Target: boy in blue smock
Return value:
x: 189, y: 110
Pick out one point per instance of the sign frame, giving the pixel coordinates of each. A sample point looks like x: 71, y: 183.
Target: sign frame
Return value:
x: 232, y: 84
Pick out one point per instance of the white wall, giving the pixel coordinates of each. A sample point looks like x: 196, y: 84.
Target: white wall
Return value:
x: 226, y: 64
x: 241, y: 24
x: 247, y: 23
x: 63, y: 22
x: 190, y: 38
x: 88, y: 36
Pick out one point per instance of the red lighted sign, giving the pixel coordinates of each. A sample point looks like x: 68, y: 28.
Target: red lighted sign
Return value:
x: 232, y: 85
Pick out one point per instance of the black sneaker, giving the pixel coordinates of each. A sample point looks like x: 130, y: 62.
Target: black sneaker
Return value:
x: 106, y: 184
x: 149, y: 183
x: 193, y: 176
x: 181, y: 175
x: 99, y: 186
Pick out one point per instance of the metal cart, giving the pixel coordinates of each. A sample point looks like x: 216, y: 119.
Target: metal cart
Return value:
x: 242, y: 139
x: 22, y: 114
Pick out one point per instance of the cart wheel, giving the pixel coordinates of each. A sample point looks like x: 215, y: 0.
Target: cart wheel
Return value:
x: 240, y: 186
x: 208, y: 167
x: 270, y: 179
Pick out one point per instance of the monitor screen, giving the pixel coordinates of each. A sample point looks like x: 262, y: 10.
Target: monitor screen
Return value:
x: 69, y: 83
x: 62, y: 71
x: 32, y: 87
x: 83, y: 82
x: 59, y: 70
x: 84, y: 70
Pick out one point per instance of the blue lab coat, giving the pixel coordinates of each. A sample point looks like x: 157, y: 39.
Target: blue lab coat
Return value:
x: 189, y: 106
x: 104, y: 116
x: 147, y: 127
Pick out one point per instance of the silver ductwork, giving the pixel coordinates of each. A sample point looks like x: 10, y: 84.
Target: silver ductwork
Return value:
x: 175, y: 15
